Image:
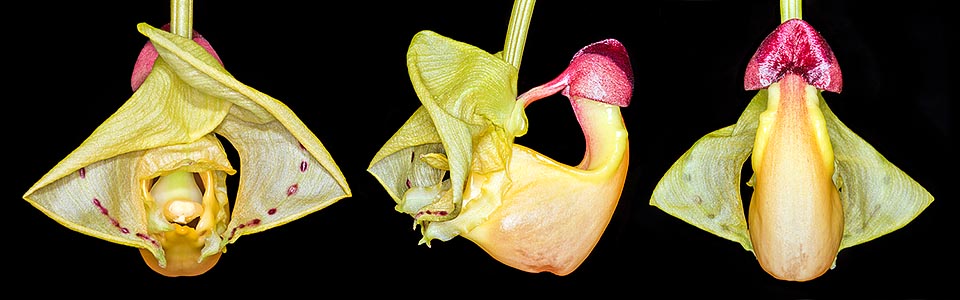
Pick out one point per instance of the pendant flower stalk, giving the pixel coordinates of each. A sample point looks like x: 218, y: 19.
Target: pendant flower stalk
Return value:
x: 153, y: 175
x: 818, y: 187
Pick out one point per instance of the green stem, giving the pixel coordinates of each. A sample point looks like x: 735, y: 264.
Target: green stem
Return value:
x: 790, y: 9
x: 181, y: 18
x: 517, y: 31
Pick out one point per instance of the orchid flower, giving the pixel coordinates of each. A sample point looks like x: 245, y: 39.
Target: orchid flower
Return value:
x: 818, y: 187
x: 454, y: 166
x: 153, y: 175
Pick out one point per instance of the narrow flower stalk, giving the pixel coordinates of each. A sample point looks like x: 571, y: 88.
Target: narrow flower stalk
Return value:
x: 181, y: 18
x: 517, y: 31
x: 790, y: 9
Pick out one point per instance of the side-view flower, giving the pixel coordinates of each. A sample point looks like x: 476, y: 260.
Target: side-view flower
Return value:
x: 454, y: 166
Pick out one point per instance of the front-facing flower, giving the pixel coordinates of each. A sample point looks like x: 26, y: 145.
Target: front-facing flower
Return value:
x: 153, y: 175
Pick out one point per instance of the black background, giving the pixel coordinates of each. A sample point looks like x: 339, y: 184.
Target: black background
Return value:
x: 341, y: 68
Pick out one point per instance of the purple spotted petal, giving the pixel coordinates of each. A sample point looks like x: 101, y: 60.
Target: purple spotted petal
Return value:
x: 149, y: 54
x: 794, y: 47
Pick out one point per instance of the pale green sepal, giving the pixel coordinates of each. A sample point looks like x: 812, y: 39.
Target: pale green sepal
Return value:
x: 397, y: 161
x: 877, y: 197
x: 465, y: 90
x: 703, y: 186
x: 287, y: 173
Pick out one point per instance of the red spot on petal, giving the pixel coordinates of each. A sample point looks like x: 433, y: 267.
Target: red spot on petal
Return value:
x: 149, y: 239
x: 408, y: 183
x: 124, y: 230
x: 272, y: 211
x: 303, y: 166
x: 83, y: 173
x: 302, y: 147
x: 254, y: 222
x: 103, y: 210
x: 441, y: 213
x: 292, y: 189
x: 242, y: 226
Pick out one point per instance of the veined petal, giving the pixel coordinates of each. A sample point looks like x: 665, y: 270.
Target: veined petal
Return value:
x: 466, y: 120
x: 877, y: 197
x: 397, y: 165
x: 464, y: 90
x: 282, y: 177
x: 702, y: 187
x: 163, y: 111
x: 100, y: 200
x: 288, y: 171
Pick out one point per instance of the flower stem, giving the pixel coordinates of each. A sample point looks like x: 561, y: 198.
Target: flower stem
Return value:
x: 517, y: 31
x: 181, y: 18
x: 790, y: 9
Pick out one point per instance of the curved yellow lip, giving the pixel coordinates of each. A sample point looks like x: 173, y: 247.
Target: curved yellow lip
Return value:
x: 795, y: 217
x: 553, y: 214
x: 182, y: 248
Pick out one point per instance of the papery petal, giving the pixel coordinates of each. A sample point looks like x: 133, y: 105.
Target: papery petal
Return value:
x: 468, y: 107
x: 148, y: 55
x: 877, y: 197
x: 397, y: 164
x: 282, y: 178
x: 164, y: 111
x: 99, y: 199
x: 463, y: 89
x: 702, y: 187
x: 286, y: 172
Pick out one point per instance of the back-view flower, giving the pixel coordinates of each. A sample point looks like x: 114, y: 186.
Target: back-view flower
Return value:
x: 817, y: 187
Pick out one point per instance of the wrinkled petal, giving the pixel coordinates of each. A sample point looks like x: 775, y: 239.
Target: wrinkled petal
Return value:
x: 702, y: 187
x: 468, y: 107
x: 877, y: 197
x: 164, y: 111
x: 281, y: 180
x: 287, y: 173
x: 103, y: 187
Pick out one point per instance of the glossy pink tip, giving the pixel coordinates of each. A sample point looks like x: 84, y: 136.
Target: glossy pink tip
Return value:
x: 601, y: 71
x: 794, y: 47
x: 149, y: 54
